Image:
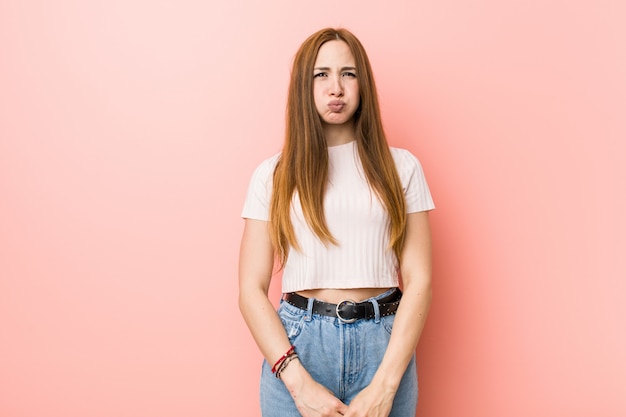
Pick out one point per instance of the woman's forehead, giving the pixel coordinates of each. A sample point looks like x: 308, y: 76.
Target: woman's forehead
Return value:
x: 334, y: 53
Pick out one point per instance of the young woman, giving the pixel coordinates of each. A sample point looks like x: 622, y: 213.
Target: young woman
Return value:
x: 344, y: 216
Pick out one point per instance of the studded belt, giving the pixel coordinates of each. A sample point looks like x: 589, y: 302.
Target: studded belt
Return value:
x: 348, y: 311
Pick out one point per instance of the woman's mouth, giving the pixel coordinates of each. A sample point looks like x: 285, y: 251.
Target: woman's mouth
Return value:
x: 336, y: 105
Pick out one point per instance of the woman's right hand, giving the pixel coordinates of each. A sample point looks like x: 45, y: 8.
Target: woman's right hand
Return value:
x: 256, y: 262
x: 311, y: 398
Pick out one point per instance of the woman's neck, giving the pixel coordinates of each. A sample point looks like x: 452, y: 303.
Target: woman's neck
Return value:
x: 339, y: 134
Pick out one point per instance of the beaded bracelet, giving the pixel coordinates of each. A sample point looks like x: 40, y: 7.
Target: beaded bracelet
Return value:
x: 282, y: 358
x: 284, y: 364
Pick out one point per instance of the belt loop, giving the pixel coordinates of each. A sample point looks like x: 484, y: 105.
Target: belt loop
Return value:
x: 309, y: 309
x: 376, y: 310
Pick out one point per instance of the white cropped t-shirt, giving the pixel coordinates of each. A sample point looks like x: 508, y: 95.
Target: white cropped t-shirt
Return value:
x: 355, y: 217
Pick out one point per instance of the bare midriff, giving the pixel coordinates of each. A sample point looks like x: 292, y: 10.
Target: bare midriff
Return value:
x: 336, y: 296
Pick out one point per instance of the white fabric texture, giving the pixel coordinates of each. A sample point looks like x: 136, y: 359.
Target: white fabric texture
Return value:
x: 355, y: 217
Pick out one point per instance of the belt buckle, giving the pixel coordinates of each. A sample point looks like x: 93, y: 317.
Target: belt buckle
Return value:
x: 341, y: 304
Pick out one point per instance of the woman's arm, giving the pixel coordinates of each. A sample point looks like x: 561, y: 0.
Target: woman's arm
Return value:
x: 376, y: 400
x: 256, y: 263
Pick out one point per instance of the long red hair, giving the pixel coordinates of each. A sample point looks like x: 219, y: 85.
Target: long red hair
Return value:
x: 303, y: 164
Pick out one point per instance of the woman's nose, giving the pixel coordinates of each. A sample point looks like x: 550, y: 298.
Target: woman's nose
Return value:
x: 336, y: 88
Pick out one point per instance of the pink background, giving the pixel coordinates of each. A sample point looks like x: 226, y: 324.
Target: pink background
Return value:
x: 129, y: 130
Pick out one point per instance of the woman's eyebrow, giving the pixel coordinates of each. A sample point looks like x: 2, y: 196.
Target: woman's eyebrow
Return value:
x: 328, y: 68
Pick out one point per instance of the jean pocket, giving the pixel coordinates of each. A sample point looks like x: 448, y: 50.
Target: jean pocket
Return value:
x: 293, y: 321
x: 387, y: 322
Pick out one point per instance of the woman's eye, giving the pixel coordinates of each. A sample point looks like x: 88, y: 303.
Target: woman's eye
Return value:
x: 319, y: 74
x: 349, y: 74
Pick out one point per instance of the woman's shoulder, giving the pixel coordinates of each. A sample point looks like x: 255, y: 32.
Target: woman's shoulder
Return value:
x: 405, y: 160
x: 267, y: 166
x: 271, y: 161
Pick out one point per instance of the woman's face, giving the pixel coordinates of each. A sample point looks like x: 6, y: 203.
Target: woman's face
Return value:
x: 335, y: 83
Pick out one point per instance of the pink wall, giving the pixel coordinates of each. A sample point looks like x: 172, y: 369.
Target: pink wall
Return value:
x: 129, y: 129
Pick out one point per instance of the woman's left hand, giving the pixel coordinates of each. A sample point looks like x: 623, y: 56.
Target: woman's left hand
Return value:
x: 373, y: 401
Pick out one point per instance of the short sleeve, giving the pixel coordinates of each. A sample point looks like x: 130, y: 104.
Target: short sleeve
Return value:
x: 416, y: 191
x: 257, y: 203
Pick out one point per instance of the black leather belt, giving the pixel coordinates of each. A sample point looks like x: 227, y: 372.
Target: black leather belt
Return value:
x: 348, y: 311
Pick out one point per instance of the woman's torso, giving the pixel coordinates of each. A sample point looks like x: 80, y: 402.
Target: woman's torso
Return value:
x: 335, y: 296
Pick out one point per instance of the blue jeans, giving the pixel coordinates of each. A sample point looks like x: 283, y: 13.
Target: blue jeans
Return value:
x: 343, y: 357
